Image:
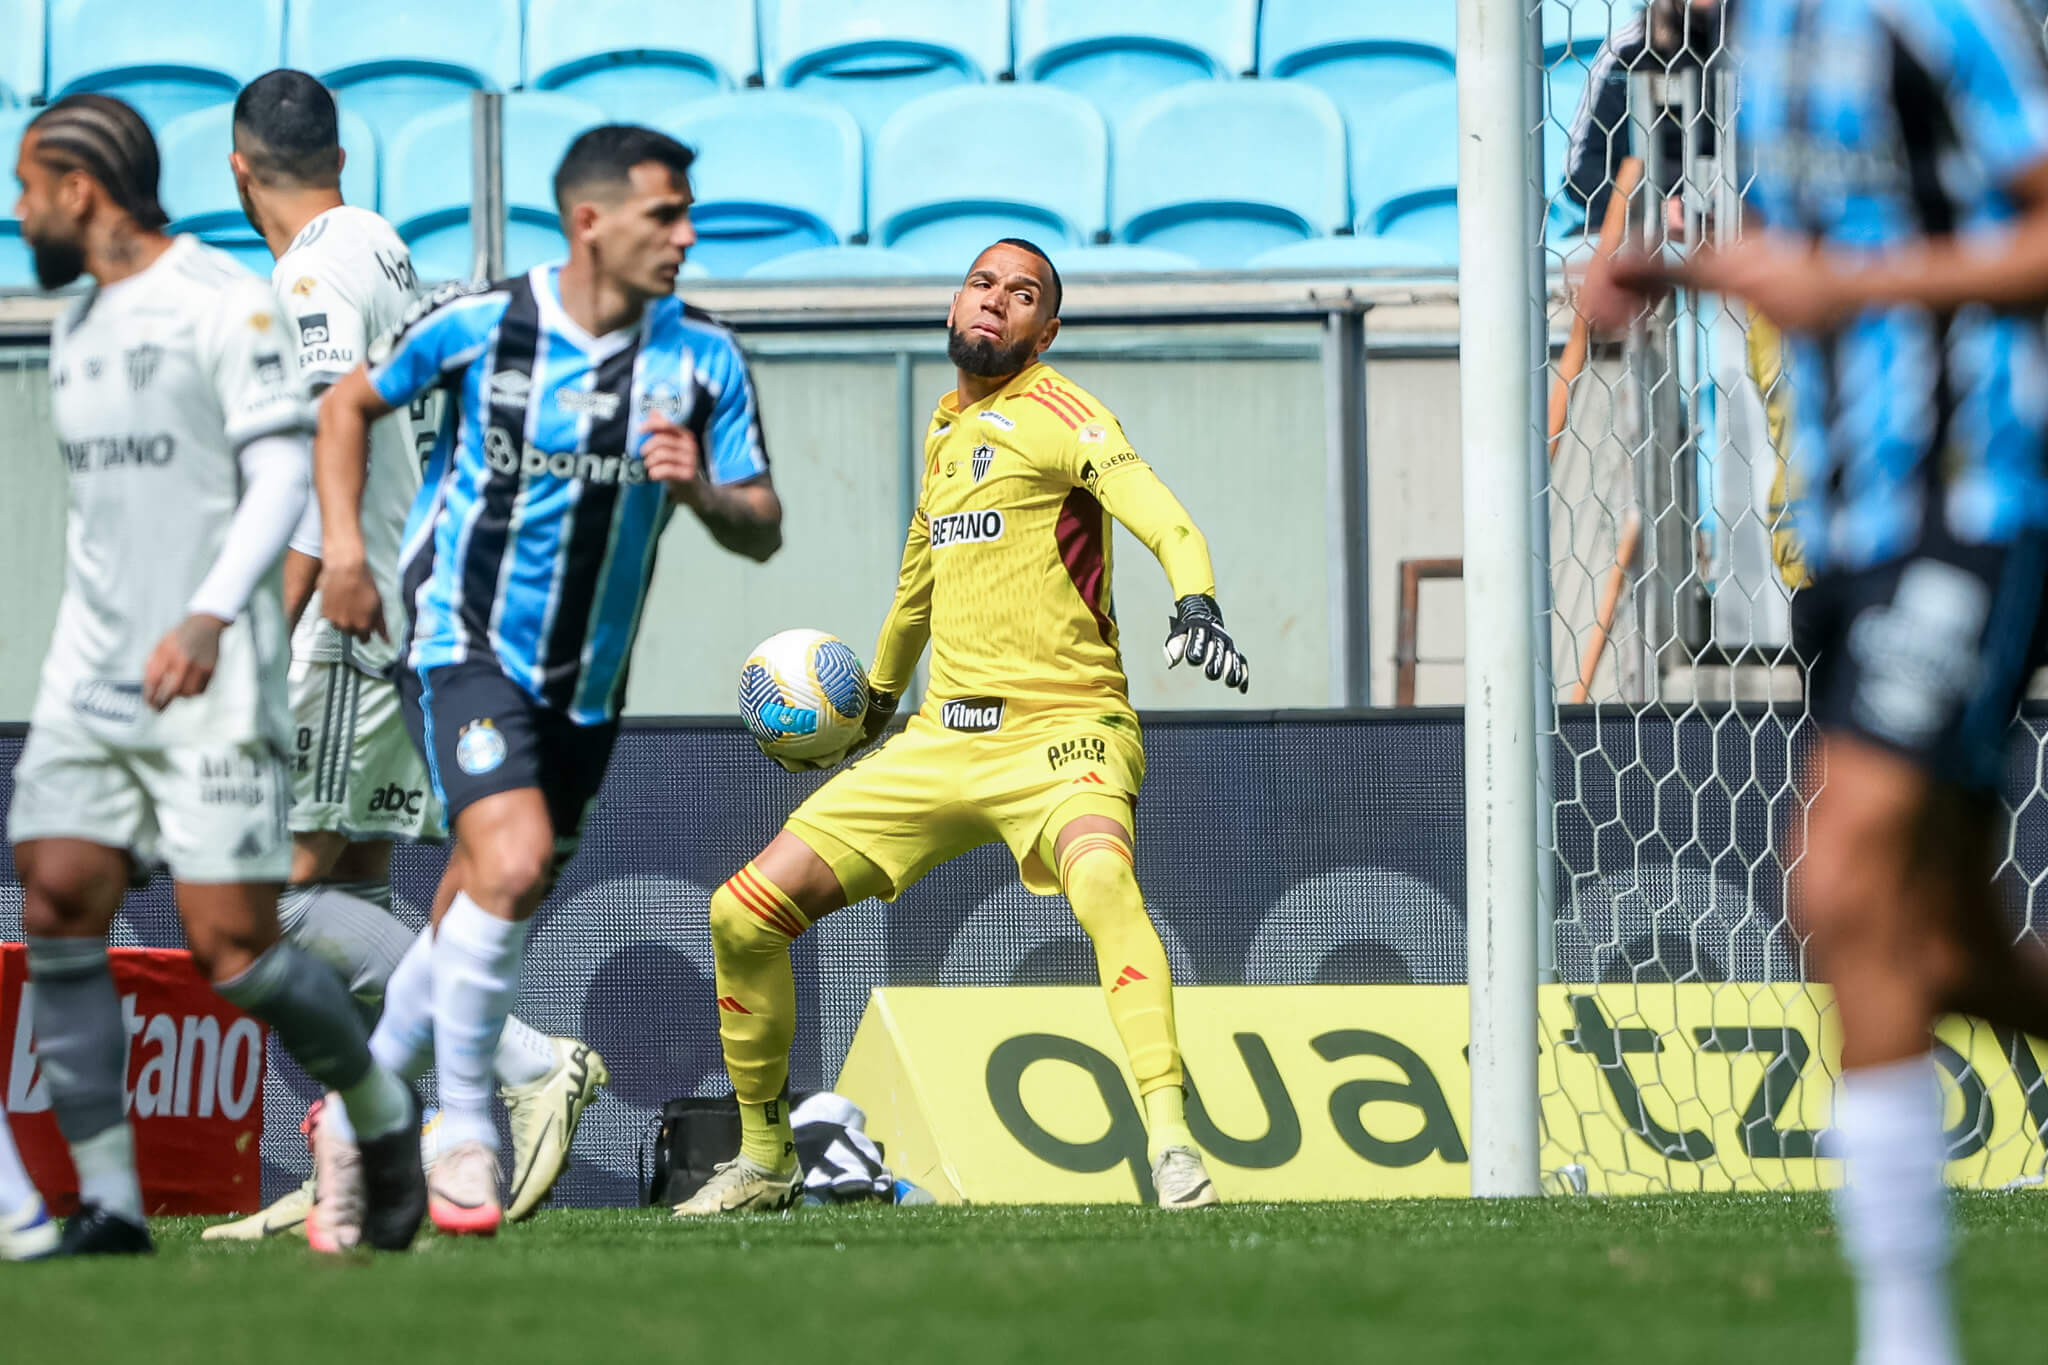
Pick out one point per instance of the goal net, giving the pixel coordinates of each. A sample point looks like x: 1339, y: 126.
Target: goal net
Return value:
x: 1682, y: 1043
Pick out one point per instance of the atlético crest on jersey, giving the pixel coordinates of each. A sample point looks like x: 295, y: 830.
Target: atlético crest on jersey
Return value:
x: 142, y: 363
x: 984, y: 456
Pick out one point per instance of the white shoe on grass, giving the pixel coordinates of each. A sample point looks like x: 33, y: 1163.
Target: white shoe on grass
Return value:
x: 1182, y: 1180
x: 29, y: 1231
x: 743, y: 1186
x: 543, y: 1116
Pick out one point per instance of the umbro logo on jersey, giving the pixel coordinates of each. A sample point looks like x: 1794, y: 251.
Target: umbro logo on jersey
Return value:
x: 599, y: 407
x: 313, y: 330
x: 511, y: 388
x: 972, y: 715
x: 996, y: 419
x: 984, y: 456
x: 958, y: 528
x: 142, y: 363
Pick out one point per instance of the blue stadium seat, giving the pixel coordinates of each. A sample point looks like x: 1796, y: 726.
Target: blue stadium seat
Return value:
x: 776, y: 172
x: 198, y: 185
x: 844, y: 263
x: 393, y: 60
x: 1117, y: 54
x: 1114, y: 258
x: 1405, y: 173
x: 1053, y: 185
x: 1360, y: 53
x: 1223, y: 171
x: 162, y: 63
x: 874, y: 56
x: 16, y: 271
x: 427, y: 177
x: 635, y: 59
x: 1361, y: 253
x: 21, y: 56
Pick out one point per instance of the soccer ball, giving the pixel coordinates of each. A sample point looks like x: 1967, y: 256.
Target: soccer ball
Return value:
x: 803, y: 694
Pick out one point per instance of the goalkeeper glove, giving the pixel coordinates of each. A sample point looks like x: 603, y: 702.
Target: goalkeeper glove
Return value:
x: 1195, y: 637
x: 881, y: 710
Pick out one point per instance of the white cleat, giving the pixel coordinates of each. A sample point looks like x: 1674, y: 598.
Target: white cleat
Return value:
x: 741, y: 1186
x: 29, y: 1231
x: 1182, y: 1180
x: 285, y: 1216
x: 543, y: 1116
x: 334, y: 1225
x: 462, y: 1191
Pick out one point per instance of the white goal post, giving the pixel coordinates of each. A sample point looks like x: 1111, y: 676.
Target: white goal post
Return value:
x: 1497, y: 287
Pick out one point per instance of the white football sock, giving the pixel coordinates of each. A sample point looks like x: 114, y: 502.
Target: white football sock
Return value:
x: 476, y: 979
x: 16, y: 1189
x: 106, y: 1171
x: 524, y: 1055
x: 1893, y: 1212
x: 403, y: 1040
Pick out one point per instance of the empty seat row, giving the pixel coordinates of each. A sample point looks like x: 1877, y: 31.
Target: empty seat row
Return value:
x: 633, y: 57
x: 1216, y: 175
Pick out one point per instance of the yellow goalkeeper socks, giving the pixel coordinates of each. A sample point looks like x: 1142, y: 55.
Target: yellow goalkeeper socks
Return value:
x: 1166, y: 1119
x: 1096, y: 872
x: 752, y: 925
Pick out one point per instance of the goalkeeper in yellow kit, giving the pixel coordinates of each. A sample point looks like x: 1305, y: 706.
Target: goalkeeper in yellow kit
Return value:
x: 1027, y: 735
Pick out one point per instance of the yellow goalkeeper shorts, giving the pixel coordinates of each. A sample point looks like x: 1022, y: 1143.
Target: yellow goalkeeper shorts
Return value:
x: 968, y: 773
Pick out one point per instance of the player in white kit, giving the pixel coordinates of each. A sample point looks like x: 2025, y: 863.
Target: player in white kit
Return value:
x: 160, y: 726
x: 345, y: 278
x: 27, y: 1232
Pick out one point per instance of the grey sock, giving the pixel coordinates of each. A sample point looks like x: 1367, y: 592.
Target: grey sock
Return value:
x: 340, y: 925
x: 303, y: 1000
x: 81, y: 1042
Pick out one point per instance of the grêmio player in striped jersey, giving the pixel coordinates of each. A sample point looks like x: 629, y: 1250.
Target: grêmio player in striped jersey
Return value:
x: 586, y: 404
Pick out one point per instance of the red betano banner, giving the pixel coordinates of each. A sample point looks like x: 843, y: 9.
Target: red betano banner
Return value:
x: 194, y: 1093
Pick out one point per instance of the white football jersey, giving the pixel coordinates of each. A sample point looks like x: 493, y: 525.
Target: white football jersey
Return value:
x: 158, y: 381
x: 346, y: 280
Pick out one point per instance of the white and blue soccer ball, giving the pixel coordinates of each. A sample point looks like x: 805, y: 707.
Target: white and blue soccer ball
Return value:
x: 803, y: 694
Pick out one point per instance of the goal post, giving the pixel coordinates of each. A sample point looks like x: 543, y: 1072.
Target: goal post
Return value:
x: 1497, y: 287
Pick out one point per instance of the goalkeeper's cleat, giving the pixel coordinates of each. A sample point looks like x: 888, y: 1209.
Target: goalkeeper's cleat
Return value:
x: 286, y: 1215
x: 97, y: 1231
x: 462, y: 1194
x: 543, y: 1116
x: 742, y: 1186
x: 334, y: 1225
x: 28, y: 1233
x: 1182, y: 1180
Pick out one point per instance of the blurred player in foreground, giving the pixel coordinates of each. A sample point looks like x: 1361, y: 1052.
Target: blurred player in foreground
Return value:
x: 589, y: 403
x: 1902, y: 186
x: 344, y: 278
x: 1027, y: 736
x: 161, y: 722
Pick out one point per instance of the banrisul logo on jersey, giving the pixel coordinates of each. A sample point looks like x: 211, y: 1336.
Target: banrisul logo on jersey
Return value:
x: 962, y: 528
x: 531, y: 462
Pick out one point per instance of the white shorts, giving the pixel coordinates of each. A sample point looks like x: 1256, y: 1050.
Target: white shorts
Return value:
x: 212, y: 814
x: 354, y: 768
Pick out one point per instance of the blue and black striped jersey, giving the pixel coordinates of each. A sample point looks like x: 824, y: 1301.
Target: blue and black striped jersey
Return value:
x: 1874, y: 122
x: 533, y: 537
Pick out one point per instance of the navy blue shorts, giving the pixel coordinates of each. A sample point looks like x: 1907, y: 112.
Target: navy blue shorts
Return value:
x: 1929, y: 655
x: 482, y: 733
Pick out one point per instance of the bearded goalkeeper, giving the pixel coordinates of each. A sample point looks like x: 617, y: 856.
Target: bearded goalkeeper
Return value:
x: 1027, y: 736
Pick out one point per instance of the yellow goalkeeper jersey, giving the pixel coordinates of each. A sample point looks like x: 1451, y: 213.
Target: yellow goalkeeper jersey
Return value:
x: 1007, y: 566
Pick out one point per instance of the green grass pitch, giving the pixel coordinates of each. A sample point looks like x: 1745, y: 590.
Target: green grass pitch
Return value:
x: 1676, y: 1279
